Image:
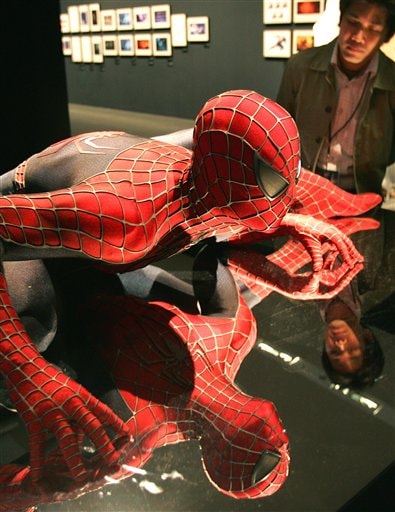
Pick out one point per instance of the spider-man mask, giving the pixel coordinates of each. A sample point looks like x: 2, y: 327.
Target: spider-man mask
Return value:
x: 246, y: 158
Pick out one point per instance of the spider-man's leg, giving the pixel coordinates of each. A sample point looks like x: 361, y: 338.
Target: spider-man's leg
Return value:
x: 66, y: 163
x: 319, y: 197
x: 86, y: 220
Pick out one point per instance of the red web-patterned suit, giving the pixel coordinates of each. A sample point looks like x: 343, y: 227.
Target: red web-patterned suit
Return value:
x: 152, y: 200
x: 130, y: 202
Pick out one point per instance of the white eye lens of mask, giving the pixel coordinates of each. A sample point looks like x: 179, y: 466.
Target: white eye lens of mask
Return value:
x: 270, y: 181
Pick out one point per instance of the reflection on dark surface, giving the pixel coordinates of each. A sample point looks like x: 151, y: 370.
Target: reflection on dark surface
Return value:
x: 340, y: 438
x: 169, y: 375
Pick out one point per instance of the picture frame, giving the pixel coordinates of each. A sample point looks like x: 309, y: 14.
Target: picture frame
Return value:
x: 64, y: 23
x: 179, y: 30
x: 76, y: 54
x: 97, y: 49
x: 126, y: 45
x: 161, y: 44
x: 86, y: 49
x: 84, y: 14
x: 143, y: 44
x: 307, y: 11
x: 389, y: 48
x: 95, y: 17
x: 302, y: 40
x: 108, y: 20
x: 277, y: 44
x: 160, y: 16
x: 66, y: 45
x: 276, y: 13
x: 110, y: 45
x: 142, y: 18
x: 198, y: 29
x: 74, y: 18
x: 125, y: 18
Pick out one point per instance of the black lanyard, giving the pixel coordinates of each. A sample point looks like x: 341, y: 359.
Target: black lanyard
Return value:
x: 348, y: 120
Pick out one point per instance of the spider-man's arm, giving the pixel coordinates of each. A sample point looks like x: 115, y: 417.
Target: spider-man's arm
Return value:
x: 51, y: 403
x: 320, y: 244
x: 316, y: 242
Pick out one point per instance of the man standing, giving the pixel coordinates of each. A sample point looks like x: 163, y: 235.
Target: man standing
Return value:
x: 342, y: 97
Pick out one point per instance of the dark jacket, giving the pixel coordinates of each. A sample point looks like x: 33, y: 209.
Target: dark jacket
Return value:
x: 308, y: 92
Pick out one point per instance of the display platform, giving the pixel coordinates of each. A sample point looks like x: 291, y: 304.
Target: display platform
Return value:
x: 341, y: 441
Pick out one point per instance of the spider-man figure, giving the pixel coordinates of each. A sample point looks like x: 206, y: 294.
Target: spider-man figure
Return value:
x: 126, y: 202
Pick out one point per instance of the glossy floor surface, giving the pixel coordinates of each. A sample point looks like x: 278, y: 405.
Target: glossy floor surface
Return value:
x: 341, y: 440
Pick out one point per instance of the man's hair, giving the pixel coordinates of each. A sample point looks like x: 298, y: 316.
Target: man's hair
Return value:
x: 372, y: 366
x: 387, y: 4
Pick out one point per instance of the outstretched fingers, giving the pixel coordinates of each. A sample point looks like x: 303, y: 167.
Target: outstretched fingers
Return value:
x: 95, y: 418
x: 346, y: 249
x: 69, y: 442
x: 72, y: 416
x: 314, y: 249
x: 69, y: 435
x: 37, y: 454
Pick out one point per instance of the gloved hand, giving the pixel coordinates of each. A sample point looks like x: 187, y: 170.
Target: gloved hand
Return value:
x: 51, y: 403
x: 313, y: 241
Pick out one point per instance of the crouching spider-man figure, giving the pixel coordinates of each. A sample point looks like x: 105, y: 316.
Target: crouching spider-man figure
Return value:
x: 124, y: 202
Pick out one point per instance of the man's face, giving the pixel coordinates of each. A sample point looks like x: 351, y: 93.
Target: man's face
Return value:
x: 343, y: 348
x: 362, y: 31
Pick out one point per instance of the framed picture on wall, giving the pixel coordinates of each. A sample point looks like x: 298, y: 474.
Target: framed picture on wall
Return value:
x: 275, y: 13
x: 76, y: 55
x: 125, y: 18
x: 301, y: 40
x: 110, y: 45
x: 86, y: 49
x: 179, y: 30
x: 276, y: 44
x: 160, y: 16
x: 97, y: 49
x: 142, y: 18
x: 143, y: 44
x: 389, y: 48
x: 74, y: 18
x: 64, y: 23
x: 126, y: 45
x: 94, y: 15
x: 108, y: 20
x: 307, y: 11
x: 85, y: 24
x: 161, y: 44
x: 198, y: 28
x: 66, y: 45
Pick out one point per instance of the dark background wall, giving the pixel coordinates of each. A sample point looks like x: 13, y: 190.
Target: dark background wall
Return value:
x: 34, y: 94
x: 232, y: 59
